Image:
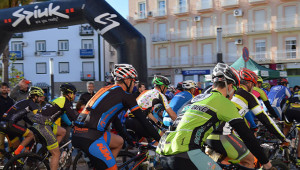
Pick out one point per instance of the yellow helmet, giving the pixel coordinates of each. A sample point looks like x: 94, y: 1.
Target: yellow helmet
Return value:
x: 36, y: 91
x: 259, y: 79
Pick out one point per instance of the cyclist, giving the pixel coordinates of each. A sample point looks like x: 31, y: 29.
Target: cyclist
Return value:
x: 293, y: 113
x: 155, y: 96
x: 180, y: 100
x: 183, y: 146
x: 19, y: 111
x: 278, y: 94
x: 266, y: 87
x: 44, y: 126
x: 93, y: 136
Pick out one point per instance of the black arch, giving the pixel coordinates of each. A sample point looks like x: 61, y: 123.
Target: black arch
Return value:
x: 130, y: 43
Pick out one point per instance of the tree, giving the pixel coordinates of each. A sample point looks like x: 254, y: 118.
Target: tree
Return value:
x: 5, y: 55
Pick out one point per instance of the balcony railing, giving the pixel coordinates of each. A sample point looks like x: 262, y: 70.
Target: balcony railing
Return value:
x: 286, y: 23
x: 182, y: 61
x: 287, y: 55
x: 87, y: 53
x: 140, y: 15
x: 160, y: 12
x: 16, y: 55
x: 261, y: 56
x: 204, y: 5
x: 160, y: 37
x: 161, y: 62
x: 86, y: 30
x: 181, y: 35
x: 258, y: 27
x: 87, y: 75
x: 229, y: 3
x: 232, y: 29
x: 180, y: 9
x: 205, y: 32
x: 17, y: 35
x: 256, y: 1
x: 205, y: 59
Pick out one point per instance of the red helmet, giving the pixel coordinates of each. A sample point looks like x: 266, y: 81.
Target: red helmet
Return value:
x: 283, y: 81
x: 248, y: 75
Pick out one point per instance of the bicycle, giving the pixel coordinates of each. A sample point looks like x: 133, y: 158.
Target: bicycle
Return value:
x: 234, y: 165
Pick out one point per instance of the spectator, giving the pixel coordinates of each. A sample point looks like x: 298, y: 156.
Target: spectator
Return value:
x: 140, y: 88
x: 85, y: 97
x: 20, y: 91
x: 178, y: 88
x: 296, y: 88
x: 292, y: 90
x: 5, y: 103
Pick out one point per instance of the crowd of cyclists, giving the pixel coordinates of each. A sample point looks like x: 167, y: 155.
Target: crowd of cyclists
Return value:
x: 221, y: 117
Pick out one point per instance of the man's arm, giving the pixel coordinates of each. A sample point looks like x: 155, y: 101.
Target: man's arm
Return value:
x: 270, y: 109
x: 171, y: 113
x: 14, y: 92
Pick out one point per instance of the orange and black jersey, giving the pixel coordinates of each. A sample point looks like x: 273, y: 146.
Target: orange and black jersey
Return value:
x: 53, y: 110
x: 18, y: 112
x: 104, y: 107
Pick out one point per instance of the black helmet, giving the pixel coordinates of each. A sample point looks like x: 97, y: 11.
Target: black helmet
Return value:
x: 161, y: 80
x: 67, y: 88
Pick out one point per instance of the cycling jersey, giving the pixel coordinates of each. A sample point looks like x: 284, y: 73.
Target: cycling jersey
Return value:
x: 100, y: 111
x: 276, y: 95
x: 150, y: 98
x: 245, y: 101
x: 205, y: 115
x: 293, y: 109
x: 266, y: 91
x: 177, y: 103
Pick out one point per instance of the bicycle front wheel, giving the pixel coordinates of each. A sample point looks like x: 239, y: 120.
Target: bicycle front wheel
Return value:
x: 81, y: 162
x: 27, y: 161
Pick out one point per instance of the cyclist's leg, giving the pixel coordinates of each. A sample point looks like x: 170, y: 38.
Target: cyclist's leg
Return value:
x: 232, y: 147
x: 60, y: 132
x: 115, y: 142
x: 288, y: 119
x: 28, y: 137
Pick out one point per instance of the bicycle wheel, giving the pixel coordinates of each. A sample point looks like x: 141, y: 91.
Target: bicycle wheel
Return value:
x: 124, y: 156
x: 30, y: 161
x: 279, y: 165
x: 81, y: 162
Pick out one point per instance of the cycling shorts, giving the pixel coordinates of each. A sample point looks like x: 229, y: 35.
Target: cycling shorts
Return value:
x: 46, y: 134
x: 135, y: 125
x: 13, y: 131
x: 228, y: 145
x: 97, y: 150
x: 292, y: 113
x: 191, y: 160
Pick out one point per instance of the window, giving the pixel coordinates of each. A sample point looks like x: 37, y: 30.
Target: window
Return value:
x: 161, y: 7
x: 182, y: 6
x: 163, y: 56
x: 63, y: 45
x: 231, y: 24
x: 40, y: 45
x: 207, y: 53
x: 184, y: 52
x: 290, y: 13
x: 260, y: 49
x: 260, y: 19
x: 232, y: 51
x: 18, y: 67
x: 87, y: 44
x: 88, y: 72
x: 63, y: 67
x: 290, y: 47
x: 206, y: 26
x: 142, y: 10
x: 162, y: 30
x: 41, y: 68
x: 183, y: 29
x: 16, y: 46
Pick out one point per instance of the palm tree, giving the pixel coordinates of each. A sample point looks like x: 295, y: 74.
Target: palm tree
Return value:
x: 5, y: 56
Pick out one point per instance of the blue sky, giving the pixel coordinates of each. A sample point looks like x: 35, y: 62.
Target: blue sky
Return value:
x: 120, y: 5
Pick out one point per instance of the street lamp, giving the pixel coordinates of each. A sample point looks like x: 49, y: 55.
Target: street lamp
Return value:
x: 219, y: 45
x: 51, y: 78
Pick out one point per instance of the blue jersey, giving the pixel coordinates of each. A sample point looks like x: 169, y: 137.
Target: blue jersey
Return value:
x: 266, y: 91
x: 277, y: 94
x: 177, y: 103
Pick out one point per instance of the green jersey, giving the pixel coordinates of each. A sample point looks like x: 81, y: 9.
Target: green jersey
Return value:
x: 203, y: 116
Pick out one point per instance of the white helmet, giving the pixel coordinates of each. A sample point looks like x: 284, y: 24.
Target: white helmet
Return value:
x: 188, y: 84
x: 123, y: 71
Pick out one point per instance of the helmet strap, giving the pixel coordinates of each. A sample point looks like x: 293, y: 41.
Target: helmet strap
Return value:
x: 162, y: 90
x: 226, y: 86
x: 128, y: 87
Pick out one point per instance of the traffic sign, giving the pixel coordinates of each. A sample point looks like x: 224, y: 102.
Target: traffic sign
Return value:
x: 245, y: 54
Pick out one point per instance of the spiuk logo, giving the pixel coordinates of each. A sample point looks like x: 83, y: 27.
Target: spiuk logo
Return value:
x: 103, y: 18
x: 103, y: 149
x: 37, y: 13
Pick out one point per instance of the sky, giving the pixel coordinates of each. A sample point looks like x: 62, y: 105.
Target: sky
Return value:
x: 121, y: 6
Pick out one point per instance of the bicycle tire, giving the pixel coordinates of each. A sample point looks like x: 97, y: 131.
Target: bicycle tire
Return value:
x: 34, y: 161
x: 80, y: 156
x: 279, y: 165
x: 124, y: 156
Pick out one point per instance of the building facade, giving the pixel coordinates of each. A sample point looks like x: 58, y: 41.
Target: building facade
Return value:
x: 181, y: 34
x: 78, y: 54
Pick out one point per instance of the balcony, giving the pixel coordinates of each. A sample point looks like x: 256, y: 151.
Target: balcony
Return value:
x: 205, y: 59
x: 232, y: 30
x: 257, y: 28
x: 86, y: 30
x: 87, y: 53
x: 229, y: 3
x: 87, y: 75
x: 205, y: 32
x: 141, y: 15
x: 182, y: 61
x: 160, y: 13
x: 160, y: 38
x: 287, y: 56
x: 161, y: 62
x: 16, y: 55
x: 257, y: 1
x: 181, y: 36
x: 181, y: 9
x: 17, y: 35
x: 261, y: 57
x: 288, y: 24
x: 204, y: 5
